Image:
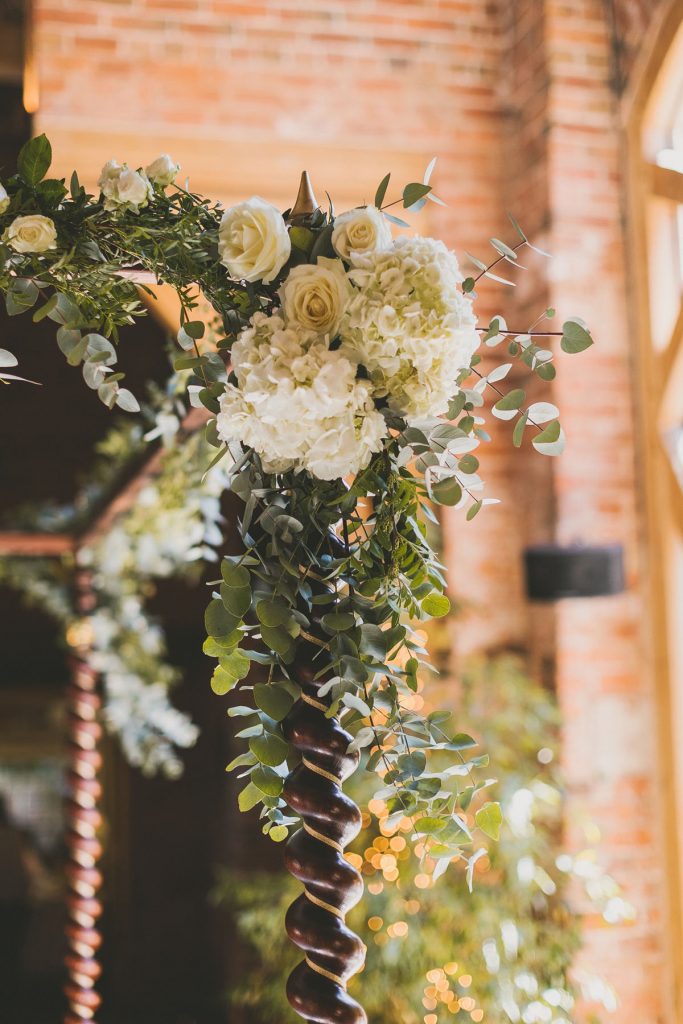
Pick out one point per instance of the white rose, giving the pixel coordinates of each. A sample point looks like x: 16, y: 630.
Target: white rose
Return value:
x: 124, y: 188
x: 109, y: 176
x: 163, y: 170
x: 33, y: 233
x: 360, y: 231
x: 133, y: 187
x: 4, y: 199
x: 253, y: 241
x: 314, y: 296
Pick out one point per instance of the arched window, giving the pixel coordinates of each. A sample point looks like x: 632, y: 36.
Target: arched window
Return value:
x: 655, y: 156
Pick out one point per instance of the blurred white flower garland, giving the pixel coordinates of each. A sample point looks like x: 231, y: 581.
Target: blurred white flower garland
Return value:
x: 172, y: 529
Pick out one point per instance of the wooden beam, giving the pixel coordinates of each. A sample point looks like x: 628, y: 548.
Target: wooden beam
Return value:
x: 229, y: 166
x: 18, y: 544
x: 665, y: 183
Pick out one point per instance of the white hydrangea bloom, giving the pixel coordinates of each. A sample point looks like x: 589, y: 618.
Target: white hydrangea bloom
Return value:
x: 410, y: 325
x: 298, y: 404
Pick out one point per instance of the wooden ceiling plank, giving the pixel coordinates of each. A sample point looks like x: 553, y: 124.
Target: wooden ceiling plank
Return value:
x: 24, y: 544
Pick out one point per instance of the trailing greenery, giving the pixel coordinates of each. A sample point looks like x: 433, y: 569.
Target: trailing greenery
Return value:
x: 336, y: 564
x: 439, y: 953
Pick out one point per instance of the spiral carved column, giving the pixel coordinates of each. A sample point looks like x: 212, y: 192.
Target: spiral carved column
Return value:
x: 314, y: 855
x: 83, y: 823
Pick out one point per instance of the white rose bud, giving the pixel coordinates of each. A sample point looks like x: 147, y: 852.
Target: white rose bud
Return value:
x: 33, y: 233
x: 163, y: 170
x: 4, y: 199
x: 314, y: 296
x: 253, y: 241
x: 360, y: 231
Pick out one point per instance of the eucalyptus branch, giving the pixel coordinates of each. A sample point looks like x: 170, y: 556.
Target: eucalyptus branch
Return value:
x: 500, y: 259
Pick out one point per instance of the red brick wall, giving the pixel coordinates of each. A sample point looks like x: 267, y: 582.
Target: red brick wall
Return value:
x: 516, y: 100
x: 610, y: 749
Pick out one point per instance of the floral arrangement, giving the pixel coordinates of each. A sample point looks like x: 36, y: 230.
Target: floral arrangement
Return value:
x: 346, y: 384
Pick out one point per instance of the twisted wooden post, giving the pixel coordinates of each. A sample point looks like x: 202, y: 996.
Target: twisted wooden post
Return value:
x: 314, y: 855
x: 83, y: 821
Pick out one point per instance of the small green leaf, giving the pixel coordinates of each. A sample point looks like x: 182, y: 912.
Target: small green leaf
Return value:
x: 575, y: 337
x: 22, y: 295
x: 518, y: 432
x: 503, y: 249
x: 546, y: 371
x: 489, y: 818
x: 278, y: 833
x: 273, y: 613
x: 301, y: 238
x: 509, y: 403
x: 278, y: 640
x: 517, y: 227
x: 338, y: 622
x: 222, y: 682
x: 218, y: 620
x: 244, y: 760
x: 428, y: 826
x: 268, y: 781
x: 269, y: 749
x: 273, y: 699
x: 447, y: 492
x: 414, y: 192
x: 249, y: 797
x: 34, y: 159
x: 473, y: 510
x: 468, y: 464
x: 195, y: 329
x: 436, y: 605
x: 236, y: 664
x: 46, y: 309
x: 382, y: 190
x: 461, y: 741
x: 551, y: 440
x: 236, y: 599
